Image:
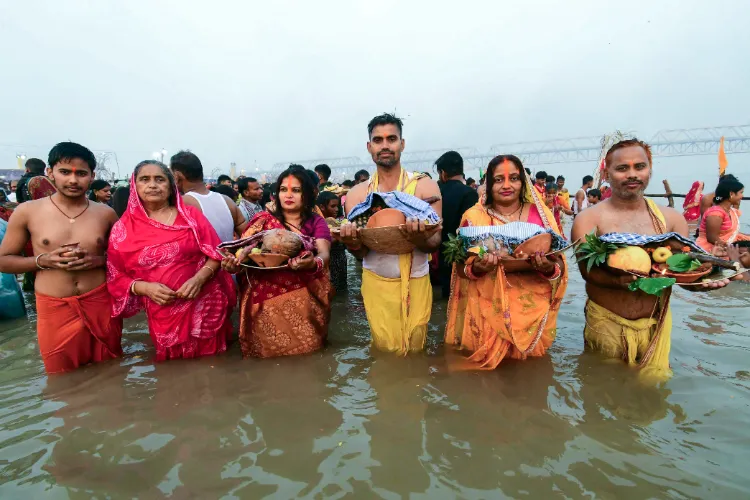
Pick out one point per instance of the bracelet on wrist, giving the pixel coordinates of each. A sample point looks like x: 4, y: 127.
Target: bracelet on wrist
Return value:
x: 38, y: 265
x: 209, y: 268
x: 469, y: 273
x: 556, y: 272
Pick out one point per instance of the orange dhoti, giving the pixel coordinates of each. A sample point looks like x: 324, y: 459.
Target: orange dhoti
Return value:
x: 74, y: 331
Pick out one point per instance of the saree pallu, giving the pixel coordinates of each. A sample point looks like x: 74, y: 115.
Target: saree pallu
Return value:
x: 283, y: 313
x: 691, y: 207
x: 730, y: 228
x: 505, y: 315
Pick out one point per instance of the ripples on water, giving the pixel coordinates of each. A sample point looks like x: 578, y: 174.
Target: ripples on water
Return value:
x: 349, y: 421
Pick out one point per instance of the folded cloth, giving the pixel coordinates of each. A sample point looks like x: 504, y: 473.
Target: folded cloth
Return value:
x: 642, y: 239
x: 411, y: 206
x: 509, y: 235
x: 74, y: 331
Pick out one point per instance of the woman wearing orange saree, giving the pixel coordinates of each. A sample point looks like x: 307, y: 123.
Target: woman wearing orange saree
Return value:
x: 721, y: 223
x: 494, y: 314
x: 286, y: 312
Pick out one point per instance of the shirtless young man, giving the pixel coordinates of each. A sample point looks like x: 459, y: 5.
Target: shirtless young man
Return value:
x: 623, y: 324
x: 69, y: 235
x: 382, y: 280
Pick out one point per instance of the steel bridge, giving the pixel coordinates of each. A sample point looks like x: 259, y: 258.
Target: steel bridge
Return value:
x: 665, y: 143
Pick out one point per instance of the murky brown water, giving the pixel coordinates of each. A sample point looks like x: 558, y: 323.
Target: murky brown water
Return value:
x: 348, y: 422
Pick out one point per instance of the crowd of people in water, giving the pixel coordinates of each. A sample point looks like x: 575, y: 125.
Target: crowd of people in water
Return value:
x: 96, y: 255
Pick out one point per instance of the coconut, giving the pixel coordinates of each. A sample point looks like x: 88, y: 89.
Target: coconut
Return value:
x: 632, y: 259
x: 281, y: 241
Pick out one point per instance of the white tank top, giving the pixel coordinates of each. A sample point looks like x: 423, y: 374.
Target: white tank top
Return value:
x: 584, y: 204
x: 215, y: 208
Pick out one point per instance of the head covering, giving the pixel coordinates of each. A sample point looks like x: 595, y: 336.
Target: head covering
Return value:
x: 694, y: 195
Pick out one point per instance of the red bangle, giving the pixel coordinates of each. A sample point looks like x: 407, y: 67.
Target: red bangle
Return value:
x: 469, y: 274
x: 556, y: 274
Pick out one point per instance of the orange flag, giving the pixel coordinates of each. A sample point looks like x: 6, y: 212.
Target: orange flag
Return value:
x: 722, y: 158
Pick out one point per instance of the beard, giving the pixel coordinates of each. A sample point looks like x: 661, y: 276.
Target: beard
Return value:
x: 387, y: 162
x: 626, y: 194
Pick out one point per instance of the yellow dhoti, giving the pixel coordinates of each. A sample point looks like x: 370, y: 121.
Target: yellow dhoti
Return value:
x: 642, y: 342
x: 398, y: 311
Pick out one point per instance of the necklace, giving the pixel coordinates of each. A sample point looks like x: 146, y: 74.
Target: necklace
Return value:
x: 504, y: 217
x: 70, y: 219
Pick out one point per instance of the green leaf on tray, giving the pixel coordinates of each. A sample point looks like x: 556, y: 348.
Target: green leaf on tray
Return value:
x: 454, y: 249
x: 682, y: 263
x: 652, y: 286
x: 593, y: 251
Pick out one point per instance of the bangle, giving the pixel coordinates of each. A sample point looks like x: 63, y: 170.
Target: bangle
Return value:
x: 318, y: 265
x: 39, y: 266
x: 132, y: 288
x: 555, y: 274
x: 468, y: 272
x: 206, y: 267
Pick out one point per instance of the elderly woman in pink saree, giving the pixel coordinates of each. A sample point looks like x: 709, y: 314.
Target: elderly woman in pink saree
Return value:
x: 691, y: 208
x: 162, y: 257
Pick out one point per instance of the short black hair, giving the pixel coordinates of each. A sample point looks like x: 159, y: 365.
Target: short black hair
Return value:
x: 35, y: 165
x: 560, y: 178
x: 348, y: 183
x: 541, y: 175
x: 451, y: 163
x: 224, y: 177
x: 470, y: 181
x: 587, y: 179
x: 594, y: 192
x: 386, y: 119
x: 226, y: 190
x: 243, y: 182
x: 324, y: 197
x: 528, y: 170
x: 188, y: 164
x: 550, y: 186
x: 312, y: 175
x: 550, y: 178
x: 361, y: 173
x: 325, y: 170
x: 66, y: 151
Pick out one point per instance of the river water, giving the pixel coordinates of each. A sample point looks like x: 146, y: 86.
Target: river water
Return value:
x: 351, y: 422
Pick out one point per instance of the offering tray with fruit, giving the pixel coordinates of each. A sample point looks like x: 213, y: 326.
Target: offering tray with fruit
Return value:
x: 514, y: 243
x: 659, y: 261
x: 381, y: 217
x: 269, y: 250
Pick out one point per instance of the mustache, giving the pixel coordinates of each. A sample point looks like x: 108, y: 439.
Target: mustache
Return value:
x: 385, y: 151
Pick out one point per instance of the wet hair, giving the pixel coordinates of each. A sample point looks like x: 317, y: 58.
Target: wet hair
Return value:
x: 35, y: 165
x: 120, y: 200
x: 726, y: 187
x: 587, y: 179
x: 308, y: 192
x: 361, y: 173
x: 97, y: 185
x: 550, y: 186
x: 560, y: 178
x: 325, y: 197
x: 595, y: 193
x: 490, y: 177
x: 188, y: 164
x: 451, y: 163
x: 626, y: 144
x: 63, y: 152
x: 324, y: 170
x: 223, y: 178
x: 243, y: 183
x: 541, y: 175
x: 167, y: 172
x: 226, y: 190
x: 348, y: 183
x: 386, y: 119
x: 470, y: 181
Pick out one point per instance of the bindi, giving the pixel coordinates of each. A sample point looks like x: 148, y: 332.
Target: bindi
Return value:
x: 506, y: 171
x: 288, y: 184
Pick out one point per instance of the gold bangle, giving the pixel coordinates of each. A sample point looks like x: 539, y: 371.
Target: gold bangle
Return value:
x: 132, y: 288
x: 210, y: 269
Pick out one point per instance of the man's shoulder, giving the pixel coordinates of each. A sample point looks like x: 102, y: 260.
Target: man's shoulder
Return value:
x: 358, y: 192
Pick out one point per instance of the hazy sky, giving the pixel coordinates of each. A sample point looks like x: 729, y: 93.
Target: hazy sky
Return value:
x: 278, y: 81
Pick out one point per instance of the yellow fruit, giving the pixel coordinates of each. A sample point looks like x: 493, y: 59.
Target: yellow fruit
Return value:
x: 633, y: 259
x: 237, y: 253
x: 661, y: 254
x: 255, y: 251
x: 474, y: 250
